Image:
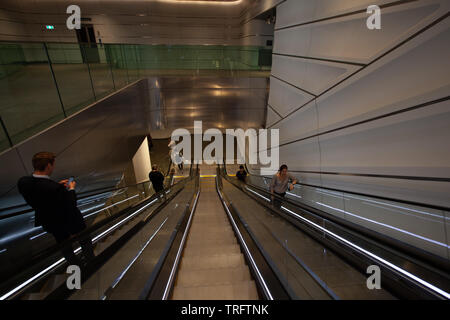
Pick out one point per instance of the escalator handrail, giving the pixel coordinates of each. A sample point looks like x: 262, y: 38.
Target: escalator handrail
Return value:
x: 271, y: 287
x: 414, y: 252
x: 47, y: 253
x: 62, y: 292
x: 83, y: 196
x: 160, y: 283
x: 438, y: 270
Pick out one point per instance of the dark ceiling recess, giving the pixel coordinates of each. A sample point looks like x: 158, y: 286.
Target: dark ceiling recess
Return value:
x: 268, y: 16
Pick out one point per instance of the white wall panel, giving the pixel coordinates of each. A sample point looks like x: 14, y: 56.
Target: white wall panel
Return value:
x: 352, y: 41
x: 301, y: 156
x: 408, y: 144
x: 300, y: 124
x: 272, y: 117
x: 302, y: 11
x: 414, y: 74
x: 293, y: 41
x: 310, y: 75
x: 349, y: 37
x: 286, y: 98
x: 402, y: 156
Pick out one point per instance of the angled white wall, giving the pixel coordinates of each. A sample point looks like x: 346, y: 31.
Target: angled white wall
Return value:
x: 142, y: 164
x: 368, y: 111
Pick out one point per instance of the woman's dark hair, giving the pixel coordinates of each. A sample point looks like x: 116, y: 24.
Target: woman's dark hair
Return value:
x: 283, y: 167
x: 241, y: 167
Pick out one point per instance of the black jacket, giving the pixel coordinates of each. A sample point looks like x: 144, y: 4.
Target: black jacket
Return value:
x: 157, y: 180
x: 55, y: 207
x: 241, y: 176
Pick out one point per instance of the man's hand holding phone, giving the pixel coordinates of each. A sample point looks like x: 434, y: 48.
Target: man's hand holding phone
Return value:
x: 69, y: 183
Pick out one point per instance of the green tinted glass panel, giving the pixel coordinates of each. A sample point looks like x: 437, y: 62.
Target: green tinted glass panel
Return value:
x: 72, y: 76
x: 41, y: 83
x: 30, y: 101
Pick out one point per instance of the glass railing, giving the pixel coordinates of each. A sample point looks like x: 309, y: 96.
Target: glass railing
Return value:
x: 302, y: 241
x: 20, y: 239
x: 111, y: 220
x: 42, y: 83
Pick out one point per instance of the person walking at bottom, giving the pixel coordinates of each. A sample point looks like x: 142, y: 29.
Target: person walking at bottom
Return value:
x: 280, y: 184
x: 55, y: 206
x: 179, y: 160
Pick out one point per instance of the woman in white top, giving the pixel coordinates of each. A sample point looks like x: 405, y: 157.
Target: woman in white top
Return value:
x: 280, y: 184
x: 179, y: 159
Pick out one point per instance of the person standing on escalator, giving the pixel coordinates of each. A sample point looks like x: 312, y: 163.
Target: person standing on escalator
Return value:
x: 280, y: 184
x: 55, y: 206
x: 157, y: 179
x: 241, y: 175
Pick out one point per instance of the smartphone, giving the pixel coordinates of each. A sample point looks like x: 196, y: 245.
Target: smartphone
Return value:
x: 68, y: 182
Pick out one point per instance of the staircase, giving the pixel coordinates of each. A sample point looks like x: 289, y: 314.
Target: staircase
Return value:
x: 212, y: 266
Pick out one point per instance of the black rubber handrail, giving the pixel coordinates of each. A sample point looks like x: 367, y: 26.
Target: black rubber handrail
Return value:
x: 160, y: 283
x: 62, y: 292
x: 48, y: 253
x: 320, y: 214
x: 80, y: 196
x: 274, y: 287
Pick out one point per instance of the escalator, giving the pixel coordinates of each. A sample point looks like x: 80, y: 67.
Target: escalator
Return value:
x: 308, y: 270
x: 124, y: 275
x: 212, y: 266
x: 111, y: 222
x: 212, y: 237
x: 301, y: 241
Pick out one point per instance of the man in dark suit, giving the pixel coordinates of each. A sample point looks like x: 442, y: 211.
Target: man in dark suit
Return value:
x: 157, y: 179
x: 55, y: 205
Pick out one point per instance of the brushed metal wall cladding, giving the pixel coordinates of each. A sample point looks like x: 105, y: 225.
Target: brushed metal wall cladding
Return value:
x: 217, y: 102
x: 257, y: 7
x: 11, y: 168
x: 94, y: 145
x: 312, y: 76
x: 145, y: 22
x: 207, y: 82
x: 256, y: 33
x: 351, y: 40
